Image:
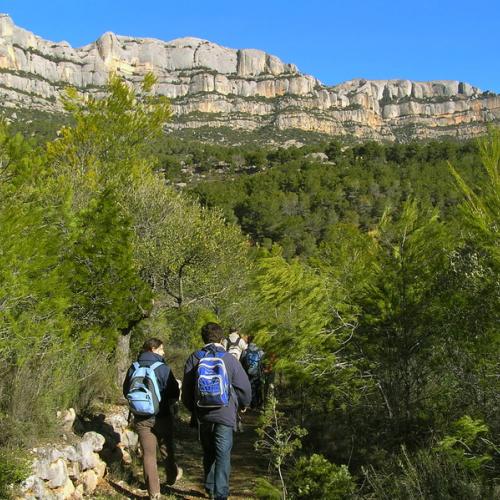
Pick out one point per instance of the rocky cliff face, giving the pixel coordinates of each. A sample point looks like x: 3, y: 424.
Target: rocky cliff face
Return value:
x: 217, y: 86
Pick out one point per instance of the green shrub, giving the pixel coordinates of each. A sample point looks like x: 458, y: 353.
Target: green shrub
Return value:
x: 316, y: 477
x: 14, y: 468
x: 468, y: 445
x: 267, y: 491
x: 427, y: 474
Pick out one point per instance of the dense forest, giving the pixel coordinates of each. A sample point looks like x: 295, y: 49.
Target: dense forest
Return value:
x: 369, y: 272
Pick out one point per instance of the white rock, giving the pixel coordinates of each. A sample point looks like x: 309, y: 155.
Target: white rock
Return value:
x: 86, y: 456
x: 70, y: 453
x: 100, y: 469
x: 234, y: 83
x: 66, y: 491
x: 48, y: 453
x: 74, y: 470
x: 130, y: 439
x: 317, y: 156
x: 95, y: 440
x: 67, y: 418
x: 89, y: 481
x: 79, y: 491
x: 58, y: 474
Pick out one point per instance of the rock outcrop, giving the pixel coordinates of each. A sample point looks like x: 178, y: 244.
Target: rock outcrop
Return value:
x: 249, y: 89
x: 72, y: 470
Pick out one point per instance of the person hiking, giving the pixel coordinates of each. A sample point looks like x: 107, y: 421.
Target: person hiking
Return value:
x: 252, y: 363
x: 153, y: 419
x: 213, y: 388
x: 235, y: 344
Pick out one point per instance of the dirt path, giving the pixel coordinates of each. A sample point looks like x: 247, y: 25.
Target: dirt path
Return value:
x: 247, y: 465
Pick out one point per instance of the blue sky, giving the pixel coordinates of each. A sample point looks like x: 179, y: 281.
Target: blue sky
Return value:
x: 330, y: 39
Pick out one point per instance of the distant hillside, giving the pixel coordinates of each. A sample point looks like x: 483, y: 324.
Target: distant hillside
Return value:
x: 214, y: 87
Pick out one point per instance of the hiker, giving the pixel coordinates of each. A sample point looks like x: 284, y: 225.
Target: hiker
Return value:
x: 213, y: 388
x: 235, y: 344
x: 150, y: 407
x: 252, y: 363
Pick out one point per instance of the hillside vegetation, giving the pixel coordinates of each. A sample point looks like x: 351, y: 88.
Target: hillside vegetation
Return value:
x: 369, y: 273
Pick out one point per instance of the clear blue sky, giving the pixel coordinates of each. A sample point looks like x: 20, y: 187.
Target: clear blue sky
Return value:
x: 331, y: 39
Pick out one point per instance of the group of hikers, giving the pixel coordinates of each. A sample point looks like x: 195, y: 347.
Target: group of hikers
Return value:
x: 221, y: 380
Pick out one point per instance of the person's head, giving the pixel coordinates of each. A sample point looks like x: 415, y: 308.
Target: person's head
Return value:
x: 234, y: 331
x: 250, y: 339
x: 212, y: 333
x: 153, y: 345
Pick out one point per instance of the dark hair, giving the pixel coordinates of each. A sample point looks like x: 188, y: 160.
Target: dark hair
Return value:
x: 150, y: 344
x: 212, y: 332
x: 250, y: 338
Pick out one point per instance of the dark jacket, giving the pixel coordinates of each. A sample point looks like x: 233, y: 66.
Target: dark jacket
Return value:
x: 238, y: 380
x: 169, y: 388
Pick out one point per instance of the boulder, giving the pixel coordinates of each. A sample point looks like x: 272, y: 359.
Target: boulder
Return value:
x: 100, y: 469
x: 89, y: 480
x: 130, y: 439
x: 317, y: 156
x: 66, y: 491
x: 66, y: 419
x: 35, y: 487
x: 86, y: 456
x: 58, y: 474
x: 96, y: 441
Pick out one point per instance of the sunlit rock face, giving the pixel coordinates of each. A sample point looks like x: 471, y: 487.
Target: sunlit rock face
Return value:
x: 218, y: 86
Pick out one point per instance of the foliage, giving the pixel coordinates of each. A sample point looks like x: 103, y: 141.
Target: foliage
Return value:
x: 316, y: 477
x: 108, y: 292
x: 295, y: 200
x: 468, y: 445
x: 276, y: 439
x: 267, y: 491
x: 14, y: 468
x: 482, y: 206
x: 372, y: 279
x: 426, y: 474
x: 76, y: 259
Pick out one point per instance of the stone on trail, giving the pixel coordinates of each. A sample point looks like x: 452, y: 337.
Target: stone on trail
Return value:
x: 96, y: 440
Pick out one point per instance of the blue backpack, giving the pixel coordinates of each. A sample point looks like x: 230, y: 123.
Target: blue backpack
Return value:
x: 212, y: 389
x: 251, y: 361
x: 144, y: 393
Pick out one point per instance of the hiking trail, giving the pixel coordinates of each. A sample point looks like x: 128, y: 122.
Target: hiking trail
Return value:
x: 246, y: 465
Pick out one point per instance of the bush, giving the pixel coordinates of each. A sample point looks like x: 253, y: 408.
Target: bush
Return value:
x: 316, y: 477
x: 14, y: 468
x: 267, y: 491
x: 428, y: 474
x: 31, y: 394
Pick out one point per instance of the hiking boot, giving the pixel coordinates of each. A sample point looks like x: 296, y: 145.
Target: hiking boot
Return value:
x: 210, y: 494
x: 173, y: 475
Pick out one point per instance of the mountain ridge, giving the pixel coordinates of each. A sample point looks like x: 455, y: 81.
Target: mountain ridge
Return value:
x: 245, y: 89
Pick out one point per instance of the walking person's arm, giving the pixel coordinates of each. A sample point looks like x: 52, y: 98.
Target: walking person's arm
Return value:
x: 188, y: 384
x: 241, y: 385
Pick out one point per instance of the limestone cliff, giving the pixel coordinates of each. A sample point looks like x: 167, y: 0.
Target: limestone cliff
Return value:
x: 217, y: 86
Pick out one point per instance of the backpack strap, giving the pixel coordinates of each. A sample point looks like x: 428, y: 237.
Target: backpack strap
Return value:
x: 154, y: 379
x: 231, y: 343
x: 202, y: 353
x: 136, y: 365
